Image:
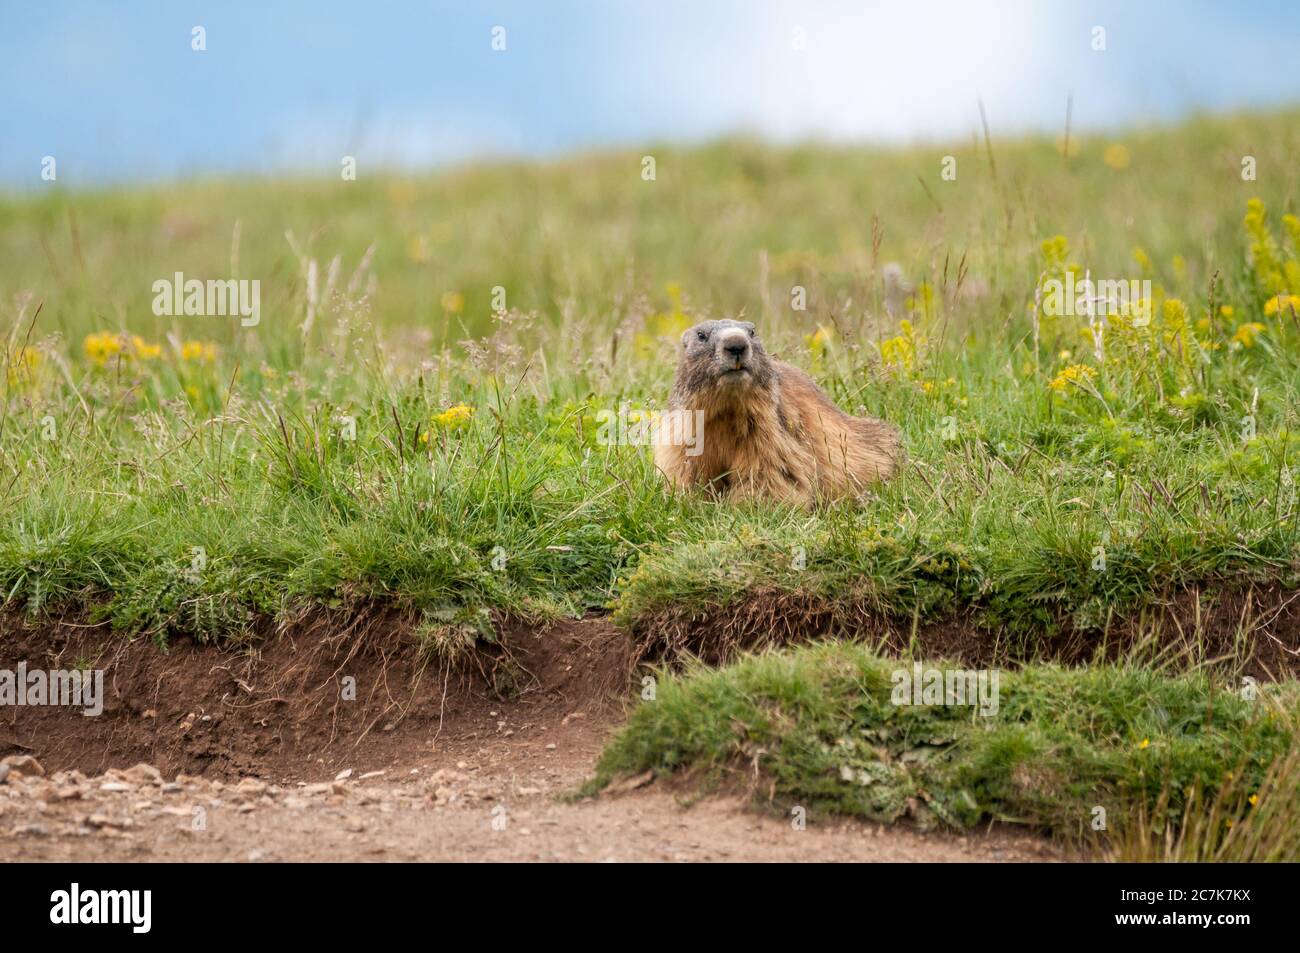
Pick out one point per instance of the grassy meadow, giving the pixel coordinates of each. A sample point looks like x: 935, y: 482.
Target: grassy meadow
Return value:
x: 416, y: 418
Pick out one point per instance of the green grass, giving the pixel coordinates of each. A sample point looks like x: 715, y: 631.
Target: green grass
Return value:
x: 817, y: 727
x: 191, y: 493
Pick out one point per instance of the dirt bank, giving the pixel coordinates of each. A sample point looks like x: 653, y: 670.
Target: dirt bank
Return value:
x: 262, y: 753
x: 1240, y: 627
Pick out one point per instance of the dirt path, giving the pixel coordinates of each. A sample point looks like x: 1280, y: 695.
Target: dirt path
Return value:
x: 495, y: 802
x: 465, y: 776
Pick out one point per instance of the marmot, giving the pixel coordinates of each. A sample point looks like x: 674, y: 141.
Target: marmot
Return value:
x: 746, y: 424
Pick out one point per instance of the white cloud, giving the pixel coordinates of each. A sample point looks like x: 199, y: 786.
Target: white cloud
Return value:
x: 892, y: 71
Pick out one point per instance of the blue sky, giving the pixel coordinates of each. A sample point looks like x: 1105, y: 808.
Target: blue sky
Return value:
x: 114, y: 91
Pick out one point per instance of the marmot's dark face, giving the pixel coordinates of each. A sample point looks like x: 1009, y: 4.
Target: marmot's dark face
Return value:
x: 723, y: 355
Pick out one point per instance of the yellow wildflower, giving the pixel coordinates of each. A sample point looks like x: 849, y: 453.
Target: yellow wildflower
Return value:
x: 453, y: 301
x: 663, y: 325
x: 1116, y: 156
x: 1076, y: 374
x: 1265, y: 256
x: 1283, y: 303
x: 819, y: 342
x: 22, y: 365
x: 454, y: 418
x: 1173, y: 314
x: 1292, y: 226
x: 102, y: 346
x: 202, y: 352
x: 144, y: 350
x: 900, y: 351
x: 819, y: 338
x: 922, y: 299
x: 1145, y: 743
x: 25, y: 357
x: 1055, y: 251
x: 1246, y: 333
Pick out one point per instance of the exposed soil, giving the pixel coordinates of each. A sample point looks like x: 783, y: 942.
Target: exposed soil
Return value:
x: 322, y: 691
x: 1252, y: 629
x: 258, y: 754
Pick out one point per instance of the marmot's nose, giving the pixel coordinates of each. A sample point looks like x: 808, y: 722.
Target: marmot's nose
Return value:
x: 736, y: 350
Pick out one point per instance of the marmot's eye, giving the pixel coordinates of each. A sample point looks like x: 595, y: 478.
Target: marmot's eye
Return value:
x: 701, y: 335
x: 751, y: 332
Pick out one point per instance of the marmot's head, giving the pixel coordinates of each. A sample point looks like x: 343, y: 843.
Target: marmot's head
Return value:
x: 723, y: 357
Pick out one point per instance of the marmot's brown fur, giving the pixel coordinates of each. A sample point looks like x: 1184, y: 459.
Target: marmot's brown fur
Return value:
x: 756, y: 426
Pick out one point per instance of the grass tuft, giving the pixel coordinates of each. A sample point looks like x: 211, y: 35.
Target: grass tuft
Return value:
x: 816, y: 726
